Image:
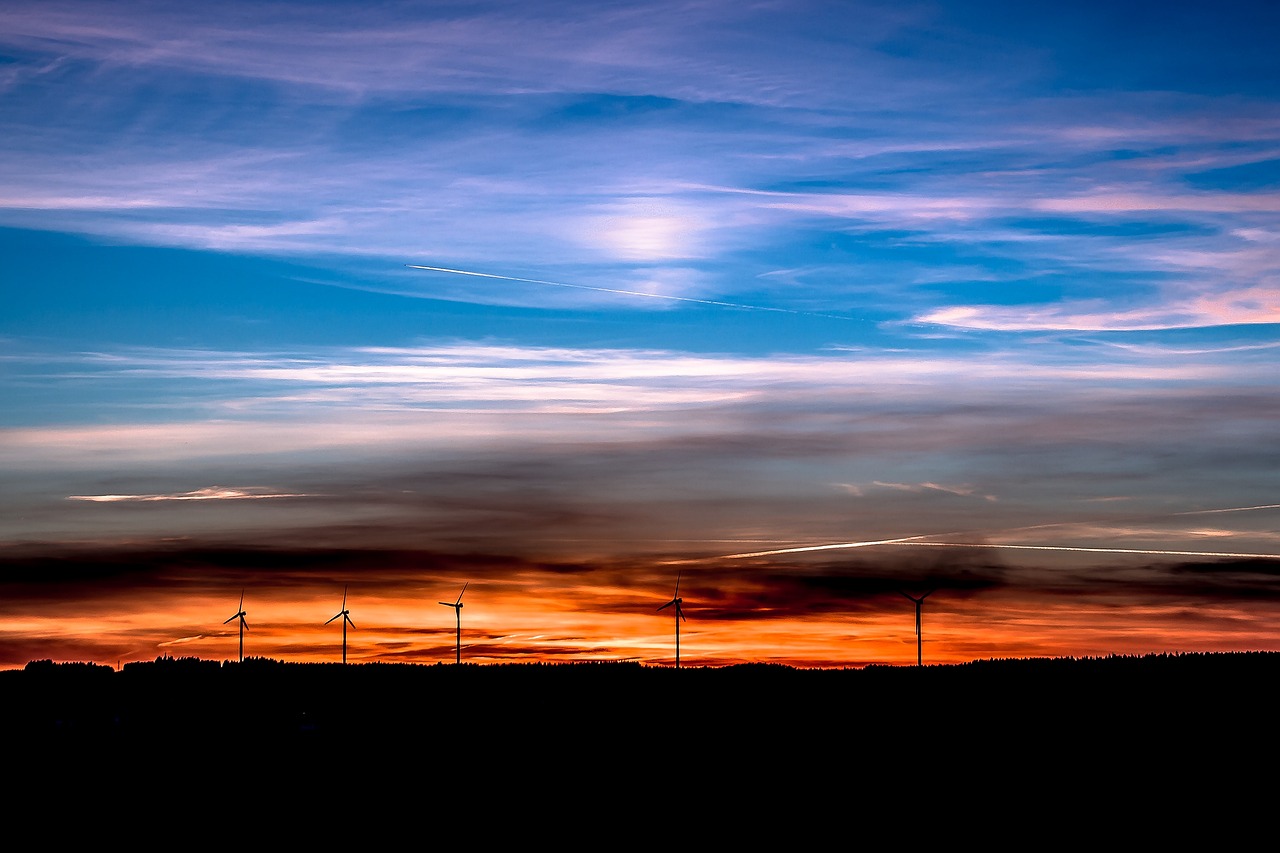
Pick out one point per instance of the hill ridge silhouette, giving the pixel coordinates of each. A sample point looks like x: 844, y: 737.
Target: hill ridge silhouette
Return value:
x: 1029, y: 725
x: 267, y: 696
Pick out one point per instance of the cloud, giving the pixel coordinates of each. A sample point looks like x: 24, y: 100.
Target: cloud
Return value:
x: 1104, y: 202
x: 110, y: 602
x: 645, y: 230
x: 181, y: 641
x: 212, y: 493
x: 1246, y: 306
x: 962, y: 491
x: 655, y: 48
x: 103, y: 202
x: 371, y: 400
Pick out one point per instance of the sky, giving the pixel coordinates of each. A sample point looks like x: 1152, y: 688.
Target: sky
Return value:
x: 812, y: 315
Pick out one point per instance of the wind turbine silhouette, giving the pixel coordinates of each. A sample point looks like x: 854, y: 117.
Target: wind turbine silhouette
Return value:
x: 457, y: 609
x: 919, y: 601
x: 678, y: 602
x: 346, y: 620
x: 240, y: 615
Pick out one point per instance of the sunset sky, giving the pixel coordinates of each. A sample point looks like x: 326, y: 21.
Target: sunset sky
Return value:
x: 808, y: 307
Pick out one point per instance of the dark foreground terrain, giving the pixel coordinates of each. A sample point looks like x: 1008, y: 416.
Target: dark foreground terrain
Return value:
x: 1107, y: 730
x: 173, y: 697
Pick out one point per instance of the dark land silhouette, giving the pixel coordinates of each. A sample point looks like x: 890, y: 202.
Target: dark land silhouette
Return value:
x: 1017, y: 730
x: 260, y: 696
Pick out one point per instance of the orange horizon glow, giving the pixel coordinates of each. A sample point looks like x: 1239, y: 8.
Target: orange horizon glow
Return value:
x: 504, y: 623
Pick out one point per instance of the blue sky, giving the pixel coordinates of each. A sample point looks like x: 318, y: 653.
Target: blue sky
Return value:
x: 585, y: 293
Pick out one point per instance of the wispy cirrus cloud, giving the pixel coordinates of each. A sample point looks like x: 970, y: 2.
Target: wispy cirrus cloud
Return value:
x: 211, y: 493
x: 492, y: 378
x: 1119, y: 202
x: 83, y: 202
x: 1242, y: 306
x: 635, y: 174
x: 959, y: 491
x: 490, y: 47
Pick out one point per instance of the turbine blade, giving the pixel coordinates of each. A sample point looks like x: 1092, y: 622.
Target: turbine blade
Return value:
x: 331, y: 618
x: 230, y: 619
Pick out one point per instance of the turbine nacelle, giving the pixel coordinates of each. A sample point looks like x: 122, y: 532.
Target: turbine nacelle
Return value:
x: 679, y: 604
x: 239, y: 614
x: 344, y: 613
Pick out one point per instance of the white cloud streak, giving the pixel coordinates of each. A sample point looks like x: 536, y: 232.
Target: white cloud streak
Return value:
x: 212, y: 493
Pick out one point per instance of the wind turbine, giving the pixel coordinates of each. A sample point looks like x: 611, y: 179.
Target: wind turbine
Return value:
x: 678, y: 602
x: 919, y: 601
x: 457, y: 610
x: 240, y: 615
x: 346, y: 620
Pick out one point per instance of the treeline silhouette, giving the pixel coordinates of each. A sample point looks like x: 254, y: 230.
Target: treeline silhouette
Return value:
x: 806, y: 741
x: 305, y: 702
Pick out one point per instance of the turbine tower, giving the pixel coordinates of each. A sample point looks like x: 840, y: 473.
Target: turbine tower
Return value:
x: 457, y: 610
x: 919, y: 601
x: 346, y: 620
x: 240, y: 615
x: 679, y: 605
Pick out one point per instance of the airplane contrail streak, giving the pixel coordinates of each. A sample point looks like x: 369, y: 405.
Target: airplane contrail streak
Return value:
x: 832, y: 547
x: 1097, y: 550
x: 912, y: 540
x: 1229, y: 509
x: 626, y: 292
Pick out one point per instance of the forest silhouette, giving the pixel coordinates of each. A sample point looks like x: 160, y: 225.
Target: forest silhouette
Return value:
x: 534, y: 736
x: 575, y: 702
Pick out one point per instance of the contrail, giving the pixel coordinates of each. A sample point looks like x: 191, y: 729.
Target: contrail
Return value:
x: 627, y: 292
x: 1097, y: 550
x: 1229, y: 509
x: 913, y: 540
x: 832, y: 547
